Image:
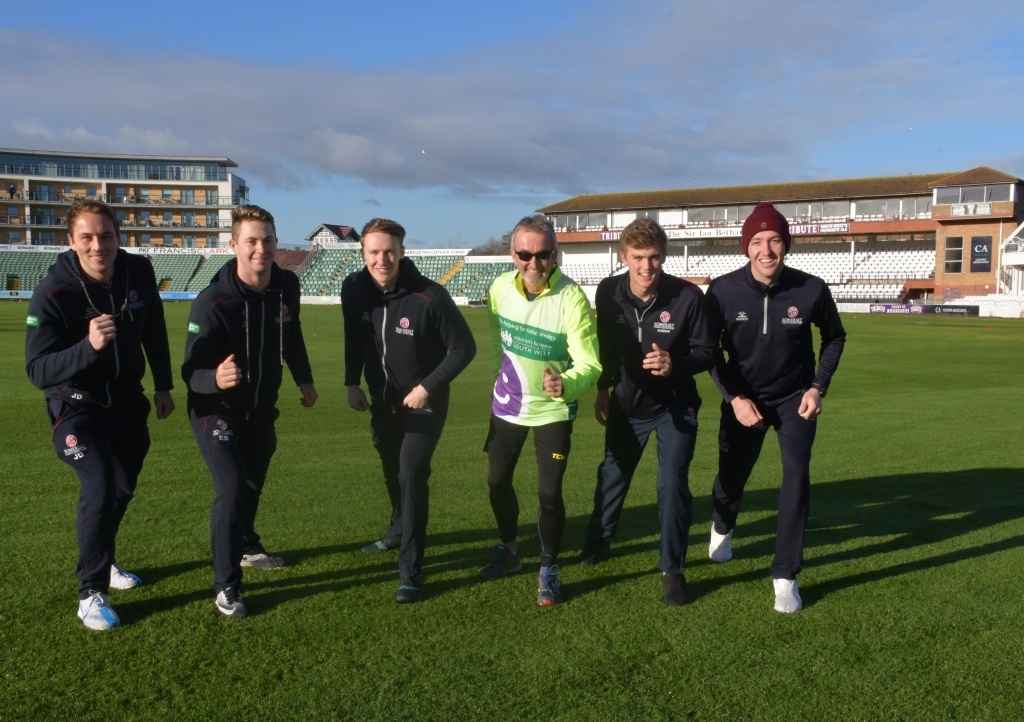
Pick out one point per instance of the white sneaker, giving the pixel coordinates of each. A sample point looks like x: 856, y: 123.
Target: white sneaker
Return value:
x: 230, y: 604
x: 787, y: 598
x: 95, y: 612
x: 120, y: 579
x: 262, y: 561
x: 720, y: 549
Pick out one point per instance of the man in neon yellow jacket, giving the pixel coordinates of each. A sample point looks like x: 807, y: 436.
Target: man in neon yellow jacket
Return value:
x: 545, y: 358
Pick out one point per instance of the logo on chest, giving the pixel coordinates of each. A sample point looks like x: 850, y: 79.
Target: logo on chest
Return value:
x: 792, y: 317
x: 664, y: 323
x: 403, y: 327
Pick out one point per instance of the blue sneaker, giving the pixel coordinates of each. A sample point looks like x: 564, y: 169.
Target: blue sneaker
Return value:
x: 502, y: 563
x: 548, y: 593
x: 410, y: 590
x: 95, y: 612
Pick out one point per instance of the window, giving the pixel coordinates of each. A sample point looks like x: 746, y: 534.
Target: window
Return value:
x: 211, y: 241
x: 144, y: 195
x: 145, y: 240
x: 835, y: 209
x: 90, y: 191
x: 211, y: 196
x: 168, y: 239
x: 188, y: 241
x: 699, y: 215
x: 670, y: 218
x: 998, y: 193
x: 14, y: 236
x: 973, y: 194
x: 168, y: 195
x: 119, y: 195
x: 947, y: 195
x: 47, y: 238
x: 188, y: 219
x: 954, y: 255
x: 168, y: 217
x: 188, y: 195
x: 871, y: 207
x: 211, y: 220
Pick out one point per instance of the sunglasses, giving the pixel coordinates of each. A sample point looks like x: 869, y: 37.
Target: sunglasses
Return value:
x: 526, y: 256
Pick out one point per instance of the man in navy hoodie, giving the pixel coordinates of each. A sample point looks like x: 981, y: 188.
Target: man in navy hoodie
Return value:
x: 242, y: 329
x: 89, y: 321
x: 765, y: 311
x: 403, y: 333
x: 654, y: 336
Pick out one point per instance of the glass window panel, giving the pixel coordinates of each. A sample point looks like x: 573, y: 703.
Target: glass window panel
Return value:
x: 998, y: 193
x: 973, y: 194
x: 947, y: 195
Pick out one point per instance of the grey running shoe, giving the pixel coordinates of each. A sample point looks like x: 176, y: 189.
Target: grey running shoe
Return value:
x: 502, y: 563
x: 230, y: 604
x: 262, y: 561
x: 410, y: 590
x: 384, y: 544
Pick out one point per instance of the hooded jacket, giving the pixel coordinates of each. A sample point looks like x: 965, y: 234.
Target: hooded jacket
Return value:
x: 262, y: 330
x: 766, y: 332
x: 676, y: 320
x: 59, y: 358
x: 409, y: 336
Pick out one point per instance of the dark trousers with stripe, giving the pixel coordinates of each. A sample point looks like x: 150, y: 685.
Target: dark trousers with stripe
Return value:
x: 552, y: 443
x: 106, y: 449
x: 405, y: 440
x: 739, y: 449
x: 237, y: 451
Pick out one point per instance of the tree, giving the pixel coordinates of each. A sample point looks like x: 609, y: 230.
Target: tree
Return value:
x: 495, y: 247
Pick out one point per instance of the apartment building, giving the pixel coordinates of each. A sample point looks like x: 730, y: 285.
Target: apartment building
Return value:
x: 161, y: 201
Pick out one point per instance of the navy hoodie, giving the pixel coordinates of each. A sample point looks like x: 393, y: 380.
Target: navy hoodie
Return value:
x: 411, y: 335
x: 766, y: 333
x: 261, y: 329
x: 676, y: 320
x: 59, y: 358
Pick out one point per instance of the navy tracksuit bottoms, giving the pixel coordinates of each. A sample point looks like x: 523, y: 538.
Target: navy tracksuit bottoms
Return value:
x: 739, y: 447
x: 106, y: 448
x: 237, y: 451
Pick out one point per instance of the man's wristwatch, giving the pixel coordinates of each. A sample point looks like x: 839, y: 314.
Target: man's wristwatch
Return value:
x: 821, y: 389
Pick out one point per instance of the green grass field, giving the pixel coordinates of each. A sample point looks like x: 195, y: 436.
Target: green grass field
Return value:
x: 912, y: 590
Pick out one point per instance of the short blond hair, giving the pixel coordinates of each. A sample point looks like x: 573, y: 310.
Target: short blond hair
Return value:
x: 241, y: 214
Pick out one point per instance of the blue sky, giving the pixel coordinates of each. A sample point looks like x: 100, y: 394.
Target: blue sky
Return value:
x: 458, y: 119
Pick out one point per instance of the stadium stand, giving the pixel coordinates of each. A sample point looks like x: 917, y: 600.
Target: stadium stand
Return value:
x: 326, y: 271
x: 434, y: 267
x: 473, y: 279
x: 174, y: 271
x: 207, y: 268
x: 22, y: 271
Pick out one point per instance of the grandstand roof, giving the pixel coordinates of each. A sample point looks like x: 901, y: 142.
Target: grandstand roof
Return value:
x: 219, y: 159
x: 779, y: 192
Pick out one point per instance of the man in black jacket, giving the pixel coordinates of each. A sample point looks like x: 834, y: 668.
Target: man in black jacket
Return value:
x: 242, y: 329
x: 654, y: 336
x: 765, y: 311
x: 89, y: 321
x: 405, y: 334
